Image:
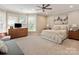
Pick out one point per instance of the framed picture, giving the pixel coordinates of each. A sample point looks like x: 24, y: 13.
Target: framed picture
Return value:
x: 59, y: 21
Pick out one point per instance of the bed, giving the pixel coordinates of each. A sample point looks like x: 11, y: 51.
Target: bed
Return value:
x: 57, y: 34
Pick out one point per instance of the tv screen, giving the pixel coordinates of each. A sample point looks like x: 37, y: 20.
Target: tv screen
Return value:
x: 18, y: 25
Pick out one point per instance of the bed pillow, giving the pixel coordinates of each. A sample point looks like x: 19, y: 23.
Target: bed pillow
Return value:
x: 60, y: 27
x: 3, y: 48
x: 56, y: 27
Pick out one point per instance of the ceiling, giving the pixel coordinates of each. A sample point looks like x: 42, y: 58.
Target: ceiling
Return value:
x: 32, y: 8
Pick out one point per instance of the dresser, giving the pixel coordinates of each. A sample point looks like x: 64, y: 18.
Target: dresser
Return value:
x: 73, y: 35
x: 18, y: 32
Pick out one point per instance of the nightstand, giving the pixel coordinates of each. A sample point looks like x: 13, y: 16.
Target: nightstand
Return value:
x: 73, y: 35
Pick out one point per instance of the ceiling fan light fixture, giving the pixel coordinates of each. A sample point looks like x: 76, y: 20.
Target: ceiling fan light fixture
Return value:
x: 71, y: 6
x: 44, y: 7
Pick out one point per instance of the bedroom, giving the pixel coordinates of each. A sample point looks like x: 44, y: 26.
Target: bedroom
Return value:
x: 39, y: 29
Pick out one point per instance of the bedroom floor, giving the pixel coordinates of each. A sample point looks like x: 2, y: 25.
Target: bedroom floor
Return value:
x: 34, y: 45
x: 71, y: 43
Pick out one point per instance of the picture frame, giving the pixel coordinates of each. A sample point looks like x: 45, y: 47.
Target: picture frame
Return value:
x: 58, y: 20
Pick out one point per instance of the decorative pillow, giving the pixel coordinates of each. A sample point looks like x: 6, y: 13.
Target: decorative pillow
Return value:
x: 6, y: 38
x: 3, y: 47
x: 2, y: 35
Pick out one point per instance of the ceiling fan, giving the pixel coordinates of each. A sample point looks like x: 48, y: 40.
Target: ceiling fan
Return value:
x: 44, y: 7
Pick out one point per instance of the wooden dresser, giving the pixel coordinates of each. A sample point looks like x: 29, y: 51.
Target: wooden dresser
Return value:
x: 73, y: 35
x: 18, y: 32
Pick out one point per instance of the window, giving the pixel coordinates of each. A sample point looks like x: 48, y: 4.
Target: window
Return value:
x: 12, y: 20
x: 23, y: 20
x: 28, y: 21
x: 31, y: 22
x: 2, y: 21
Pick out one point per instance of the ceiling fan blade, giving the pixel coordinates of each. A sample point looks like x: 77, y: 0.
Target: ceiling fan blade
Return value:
x: 43, y: 10
x: 43, y: 5
x: 39, y: 6
x: 47, y: 5
x: 38, y: 9
x: 48, y: 8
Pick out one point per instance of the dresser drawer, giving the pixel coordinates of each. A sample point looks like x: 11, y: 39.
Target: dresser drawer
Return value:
x: 18, y: 32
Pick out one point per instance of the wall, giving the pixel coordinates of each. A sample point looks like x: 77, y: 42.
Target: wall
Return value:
x: 50, y: 20
x: 41, y: 19
x: 73, y: 18
x: 41, y: 22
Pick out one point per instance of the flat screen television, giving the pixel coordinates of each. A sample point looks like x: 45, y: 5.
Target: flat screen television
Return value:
x: 18, y: 25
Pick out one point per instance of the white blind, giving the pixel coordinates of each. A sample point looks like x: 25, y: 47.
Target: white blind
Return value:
x: 23, y: 20
x: 12, y: 20
x: 2, y: 21
x: 31, y: 22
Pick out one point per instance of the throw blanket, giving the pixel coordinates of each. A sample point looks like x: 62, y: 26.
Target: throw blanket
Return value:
x: 13, y: 48
x: 54, y: 35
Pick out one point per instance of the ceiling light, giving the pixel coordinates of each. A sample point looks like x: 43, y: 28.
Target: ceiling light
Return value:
x: 33, y: 9
x: 71, y: 6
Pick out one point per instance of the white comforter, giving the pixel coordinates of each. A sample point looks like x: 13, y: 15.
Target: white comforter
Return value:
x: 54, y: 35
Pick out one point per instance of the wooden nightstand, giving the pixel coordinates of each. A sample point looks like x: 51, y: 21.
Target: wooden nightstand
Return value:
x: 73, y: 35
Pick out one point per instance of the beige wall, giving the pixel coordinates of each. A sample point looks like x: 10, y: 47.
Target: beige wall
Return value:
x: 41, y: 22
x: 73, y: 18
x: 50, y: 20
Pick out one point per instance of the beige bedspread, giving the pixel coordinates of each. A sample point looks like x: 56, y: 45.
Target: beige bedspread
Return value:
x: 35, y: 45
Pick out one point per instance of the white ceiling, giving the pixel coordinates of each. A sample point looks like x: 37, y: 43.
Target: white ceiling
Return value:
x: 32, y: 8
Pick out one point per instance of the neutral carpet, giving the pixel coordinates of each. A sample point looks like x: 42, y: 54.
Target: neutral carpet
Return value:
x: 35, y: 45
